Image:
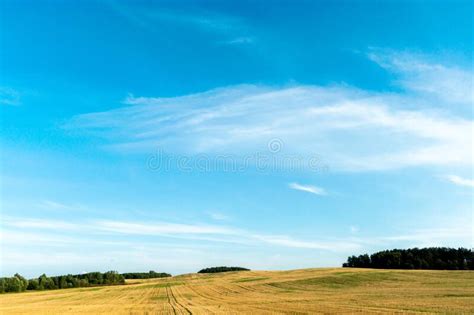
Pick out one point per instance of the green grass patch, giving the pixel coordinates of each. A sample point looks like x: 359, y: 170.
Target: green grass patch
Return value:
x: 339, y: 280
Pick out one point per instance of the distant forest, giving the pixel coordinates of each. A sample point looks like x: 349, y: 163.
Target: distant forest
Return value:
x: 17, y: 283
x: 222, y: 269
x: 416, y: 258
x: 145, y: 275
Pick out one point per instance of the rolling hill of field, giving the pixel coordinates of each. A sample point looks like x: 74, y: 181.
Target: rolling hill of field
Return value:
x: 303, y: 291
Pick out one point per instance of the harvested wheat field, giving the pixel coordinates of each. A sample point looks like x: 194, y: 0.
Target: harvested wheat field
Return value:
x: 303, y: 291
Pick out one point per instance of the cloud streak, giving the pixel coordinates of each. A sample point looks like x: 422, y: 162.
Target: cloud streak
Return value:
x: 459, y: 181
x: 308, y: 188
x: 233, y: 29
x: 161, y: 228
x: 293, y: 243
x: 57, y: 233
x: 25, y: 228
x: 9, y: 96
x: 32, y: 223
x: 350, y: 128
x: 450, y: 84
x: 434, y: 236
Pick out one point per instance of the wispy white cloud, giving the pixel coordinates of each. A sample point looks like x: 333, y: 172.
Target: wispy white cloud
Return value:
x: 351, y: 129
x: 286, y: 241
x: 21, y: 237
x: 28, y: 228
x: 450, y: 84
x: 160, y: 228
x: 239, y: 41
x: 308, y: 188
x: 9, y: 96
x: 446, y: 236
x: 55, y: 205
x: 233, y: 235
x: 21, y: 230
x: 38, y: 236
x: 354, y: 229
x: 457, y: 180
x: 39, y: 242
x: 232, y: 28
x: 204, y: 20
x: 218, y: 216
x: 27, y: 223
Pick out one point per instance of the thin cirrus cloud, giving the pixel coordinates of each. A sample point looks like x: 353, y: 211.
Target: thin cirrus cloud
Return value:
x: 44, y: 232
x: 51, y: 250
x: 308, y: 188
x: 198, y: 232
x: 433, y: 236
x: 459, y: 181
x: 54, y: 205
x: 218, y: 216
x: 9, y: 96
x: 239, y: 41
x: 349, y: 128
x: 354, y: 229
x: 327, y: 245
x: 32, y: 223
x: 162, y: 228
x: 233, y: 30
x: 451, y: 84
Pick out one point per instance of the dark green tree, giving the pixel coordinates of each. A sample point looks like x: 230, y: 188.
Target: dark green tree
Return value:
x: 33, y: 284
x: 415, y: 258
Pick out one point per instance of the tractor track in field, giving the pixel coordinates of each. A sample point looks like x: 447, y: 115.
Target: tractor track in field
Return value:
x: 172, y: 298
x: 206, y: 297
x: 203, y: 296
x: 245, y: 288
x: 169, y: 301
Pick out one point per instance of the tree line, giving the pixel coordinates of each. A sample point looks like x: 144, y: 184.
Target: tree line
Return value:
x: 145, y: 275
x: 442, y: 258
x: 17, y: 283
x: 221, y: 269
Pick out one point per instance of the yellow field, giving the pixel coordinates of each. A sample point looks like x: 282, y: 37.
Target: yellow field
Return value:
x: 263, y: 292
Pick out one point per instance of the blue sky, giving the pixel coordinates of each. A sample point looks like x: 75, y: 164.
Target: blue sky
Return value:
x: 179, y: 135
